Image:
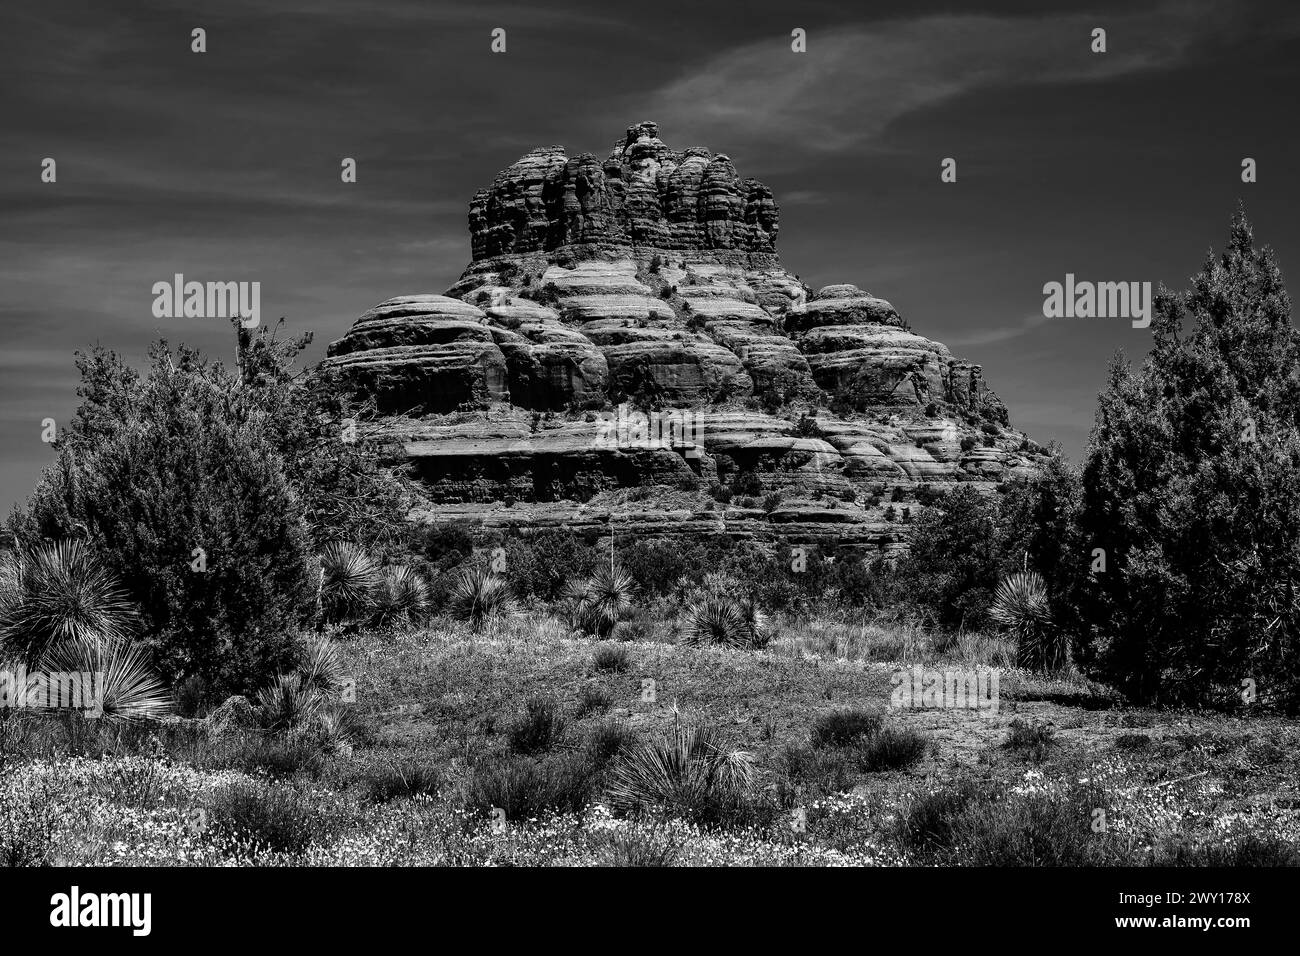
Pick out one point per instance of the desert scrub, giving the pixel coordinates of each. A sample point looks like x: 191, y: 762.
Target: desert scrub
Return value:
x: 538, y: 729
x: 248, y: 818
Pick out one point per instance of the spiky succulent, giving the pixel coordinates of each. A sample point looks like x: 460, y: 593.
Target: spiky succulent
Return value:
x: 350, y: 581
x: 322, y: 667
x: 289, y: 703
x: 122, y: 673
x: 686, y: 768
x: 597, y: 604
x: 59, y: 593
x: 404, y: 597
x: 725, y: 620
x: 1020, y: 605
x: 480, y: 597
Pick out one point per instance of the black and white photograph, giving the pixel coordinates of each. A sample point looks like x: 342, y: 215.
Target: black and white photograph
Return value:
x: 500, y: 436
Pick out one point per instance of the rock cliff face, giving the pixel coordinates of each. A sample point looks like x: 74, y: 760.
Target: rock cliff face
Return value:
x: 626, y: 348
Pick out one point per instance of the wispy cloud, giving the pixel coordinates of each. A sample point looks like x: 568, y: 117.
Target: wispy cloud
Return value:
x: 855, y: 81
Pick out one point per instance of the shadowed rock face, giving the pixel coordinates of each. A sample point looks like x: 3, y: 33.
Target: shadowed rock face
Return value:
x: 651, y: 280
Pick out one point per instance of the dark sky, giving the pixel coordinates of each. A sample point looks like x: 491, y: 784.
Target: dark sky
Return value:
x: 1122, y: 166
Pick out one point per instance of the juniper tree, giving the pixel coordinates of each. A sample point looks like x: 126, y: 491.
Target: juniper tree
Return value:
x: 1192, y: 490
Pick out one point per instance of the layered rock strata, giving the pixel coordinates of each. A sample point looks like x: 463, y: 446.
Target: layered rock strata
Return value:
x: 610, y: 295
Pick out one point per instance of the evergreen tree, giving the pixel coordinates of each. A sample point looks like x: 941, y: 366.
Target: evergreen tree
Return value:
x: 1192, y: 490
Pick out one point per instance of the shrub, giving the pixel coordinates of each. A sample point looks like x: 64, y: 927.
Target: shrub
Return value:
x: 527, y: 788
x: 953, y: 561
x: 611, y: 657
x: 893, y: 748
x: 290, y: 702
x: 845, y: 727
x: 1029, y: 740
x: 539, y: 728
x: 398, y: 782
x: 539, y: 565
x: 607, y: 741
x: 219, y: 568
x: 245, y: 819
x: 926, y: 826
x: 716, y: 617
x: 130, y: 689
x: 592, y: 699
x: 28, y: 823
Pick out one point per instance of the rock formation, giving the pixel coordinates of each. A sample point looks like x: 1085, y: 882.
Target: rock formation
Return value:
x: 605, y: 295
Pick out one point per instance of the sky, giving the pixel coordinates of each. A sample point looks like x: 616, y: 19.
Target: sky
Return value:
x: 225, y: 165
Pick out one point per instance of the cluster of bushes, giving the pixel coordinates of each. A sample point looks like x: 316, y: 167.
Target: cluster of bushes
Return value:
x: 206, y: 492
x: 1169, y: 564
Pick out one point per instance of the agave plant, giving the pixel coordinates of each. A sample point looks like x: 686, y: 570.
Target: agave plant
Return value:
x: 687, y: 768
x: 597, y: 604
x: 127, y: 686
x: 350, y: 581
x: 1020, y: 605
x: 480, y: 597
x: 59, y: 593
x: 403, y: 598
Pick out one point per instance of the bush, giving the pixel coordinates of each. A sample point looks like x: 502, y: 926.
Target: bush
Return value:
x: 219, y: 568
x: 397, y: 782
x: 1032, y: 741
x: 845, y: 727
x: 539, y: 565
x: 967, y: 827
x: 539, y: 728
x: 1192, y: 490
x: 592, y: 699
x: 611, y: 657
x: 893, y: 748
x: 526, y: 788
x: 953, y: 562
x: 245, y: 819
x: 607, y: 741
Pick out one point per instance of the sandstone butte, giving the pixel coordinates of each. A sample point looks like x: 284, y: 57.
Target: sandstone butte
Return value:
x: 650, y: 279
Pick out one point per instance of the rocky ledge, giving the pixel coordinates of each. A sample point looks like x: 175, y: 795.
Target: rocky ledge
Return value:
x: 626, y: 353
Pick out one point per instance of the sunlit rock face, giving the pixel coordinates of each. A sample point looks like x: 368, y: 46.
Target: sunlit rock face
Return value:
x: 610, y: 295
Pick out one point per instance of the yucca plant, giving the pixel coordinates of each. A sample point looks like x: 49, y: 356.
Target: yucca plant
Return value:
x: 321, y: 667
x: 687, y: 770
x: 58, y: 593
x: 480, y: 597
x: 404, y: 597
x: 350, y: 581
x: 1020, y: 605
x: 289, y: 703
x: 725, y: 620
x: 129, y: 688
x: 597, y: 604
